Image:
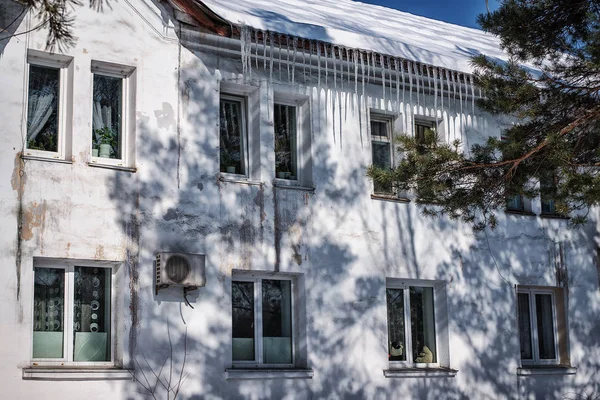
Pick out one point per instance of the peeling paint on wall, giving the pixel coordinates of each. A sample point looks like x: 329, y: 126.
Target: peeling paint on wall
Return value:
x: 34, y: 216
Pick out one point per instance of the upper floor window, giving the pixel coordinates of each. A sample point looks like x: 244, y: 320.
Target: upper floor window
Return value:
x: 547, y: 187
x: 233, y: 139
x: 425, y: 135
x: 112, y: 98
x: 286, y: 150
x: 48, y: 105
x: 542, y: 331
x: 72, y: 313
x: 381, y: 149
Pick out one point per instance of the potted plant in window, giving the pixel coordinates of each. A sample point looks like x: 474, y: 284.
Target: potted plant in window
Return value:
x: 106, y: 141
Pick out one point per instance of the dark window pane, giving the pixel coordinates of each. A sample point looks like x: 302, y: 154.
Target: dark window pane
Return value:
x: 277, y: 321
x: 395, y: 318
x: 285, y: 141
x: 422, y: 325
x: 548, y: 188
x: 545, y: 326
x: 42, y: 108
x: 524, y: 326
x: 379, y: 128
x: 425, y: 136
x: 515, y: 202
x: 106, y: 119
x: 230, y: 138
x: 381, y: 159
x: 48, y: 313
x: 242, y: 301
x: 91, y: 314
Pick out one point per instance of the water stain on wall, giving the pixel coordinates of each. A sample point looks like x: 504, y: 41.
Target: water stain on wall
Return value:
x: 34, y: 216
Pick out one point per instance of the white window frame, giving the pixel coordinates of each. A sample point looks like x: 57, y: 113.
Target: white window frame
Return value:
x: 405, y: 286
x: 64, y: 106
x: 126, y: 73
x: 243, y: 100
x: 389, y: 123
x: 297, y: 109
x: 257, y: 279
x: 534, y: 328
x: 68, y: 344
x: 303, y: 136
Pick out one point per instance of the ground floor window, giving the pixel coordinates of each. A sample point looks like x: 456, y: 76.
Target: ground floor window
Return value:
x: 72, y: 313
x: 262, y: 315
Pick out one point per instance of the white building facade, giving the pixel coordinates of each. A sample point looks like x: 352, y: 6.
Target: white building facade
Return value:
x: 239, y: 136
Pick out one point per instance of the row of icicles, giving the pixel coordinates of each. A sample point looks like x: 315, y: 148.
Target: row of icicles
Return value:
x: 337, y: 64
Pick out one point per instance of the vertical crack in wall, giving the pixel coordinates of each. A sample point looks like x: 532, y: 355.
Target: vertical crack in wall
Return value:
x: 133, y: 253
x: 18, y: 184
x: 179, y: 94
x: 277, y: 221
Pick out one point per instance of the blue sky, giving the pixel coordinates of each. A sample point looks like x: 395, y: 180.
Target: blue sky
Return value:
x: 460, y: 12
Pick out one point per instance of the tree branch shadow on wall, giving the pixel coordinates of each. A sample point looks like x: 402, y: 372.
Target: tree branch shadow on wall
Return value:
x: 176, y: 202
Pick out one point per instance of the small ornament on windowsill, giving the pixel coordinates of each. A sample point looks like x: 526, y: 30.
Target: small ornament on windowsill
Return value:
x: 396, y: 349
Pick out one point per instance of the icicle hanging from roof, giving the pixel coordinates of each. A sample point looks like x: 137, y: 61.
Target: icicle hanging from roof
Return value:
x: 287, y: 52
x: 382, y: 62
x: 295, y: 46
x: 272, y: 50
x: 264, y: 35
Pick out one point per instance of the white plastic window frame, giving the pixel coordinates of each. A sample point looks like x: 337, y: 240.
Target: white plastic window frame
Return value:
x: 68, y: 344
x: 303, y: 136
x: 297, y: 132
x: 126, y: 73
x: 534, y: 328
x: 389, y: 122
x: 64, y: 65
x: 258, y: 347
x: 406, y: 285
x: 243, y: 100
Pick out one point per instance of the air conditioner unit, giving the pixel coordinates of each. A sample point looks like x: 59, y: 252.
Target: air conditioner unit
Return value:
x: 180, y: 269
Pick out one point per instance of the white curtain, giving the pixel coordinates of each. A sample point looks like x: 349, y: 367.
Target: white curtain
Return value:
x: 39, y: 109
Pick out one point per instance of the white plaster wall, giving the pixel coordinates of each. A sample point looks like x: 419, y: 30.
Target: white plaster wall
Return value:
x: 342, y: 242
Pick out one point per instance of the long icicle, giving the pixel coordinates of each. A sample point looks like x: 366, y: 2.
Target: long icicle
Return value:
x: 272, y: 49
x: 334, y: 69
x: 326, y: 67
x: 256, y: 48
x: 382, y: 62
x: 319, y: 65
x: 397, y: 84
x: 295, y: 44
x: 287, y: 52
x: 264, y: 50
x: 280, y: 60
x: 303, y: 61
x: 472, y: 94
x: 409, y: 68
x: 403, y: 83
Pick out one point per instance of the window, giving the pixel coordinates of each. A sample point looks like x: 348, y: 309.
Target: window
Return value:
x: 541, y: 319
x: 262, y: 315
x: 515, y: 203
x: 286, y: 154
x: 48, y: 105
x: 411, y: 324
x: 547, y: 188
x: 425, y: 135
x: 72, y: 313
x: 232, y: 135
x: 111, y: 114
x: 381, y: 148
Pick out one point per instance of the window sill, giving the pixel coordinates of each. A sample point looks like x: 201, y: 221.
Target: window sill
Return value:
x: 438, y: 372
x: 553, y: 216
x: 76, y: 374
x: 47, y: 159
x: 292, y: 185
x: 520, y: 212
x: 533, y: 370
x: 109, y: 166
x: 239, y: 373
x: 224, y: 177
x: 390, y: 197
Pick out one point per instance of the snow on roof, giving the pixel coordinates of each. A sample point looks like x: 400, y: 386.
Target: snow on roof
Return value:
x: 357, y: 25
